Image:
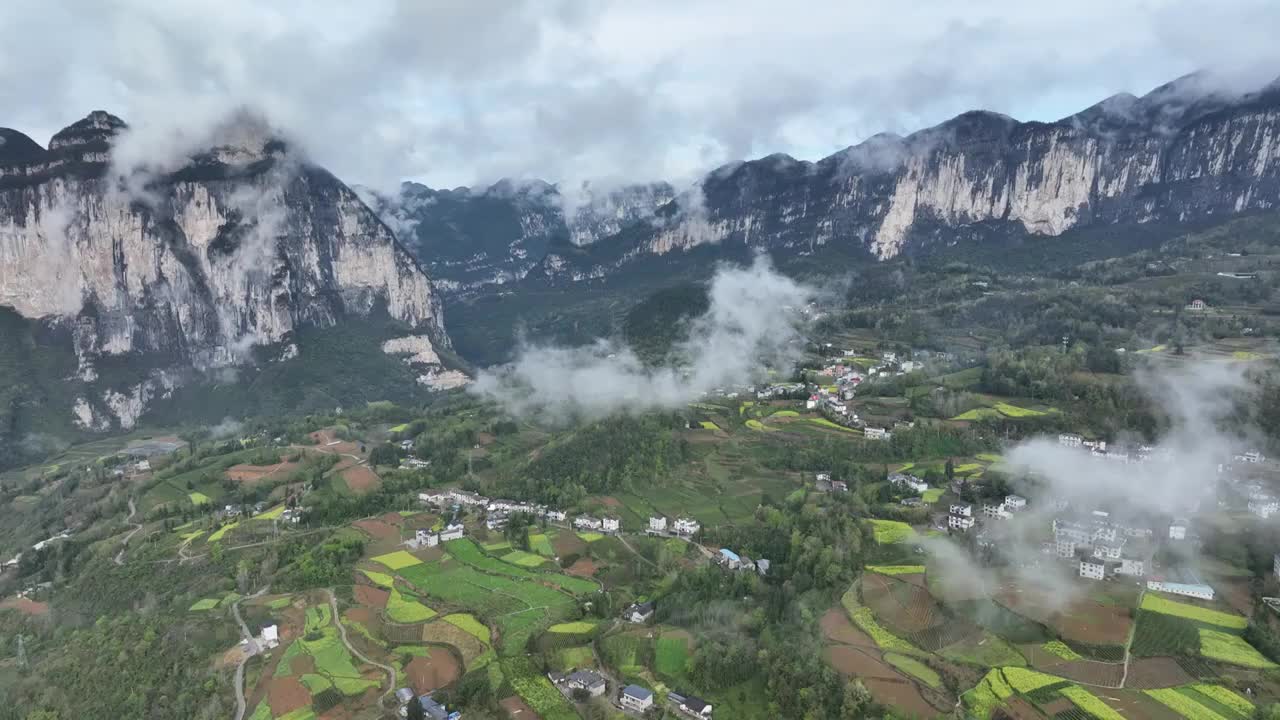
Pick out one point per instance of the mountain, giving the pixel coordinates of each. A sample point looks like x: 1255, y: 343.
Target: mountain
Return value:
x: 1188, y: 151
x: 473, y: 238
x: 140, y: 281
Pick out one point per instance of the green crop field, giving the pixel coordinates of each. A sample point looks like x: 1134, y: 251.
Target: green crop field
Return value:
x: 888, y: 532
x: 203, y: 604
x: 403, y: 609
x: 1090, y: 703
x: 379, y: 579
x: 896, y: 569
x: 1160, y: 634
x: 470, y: 624
x: 590, y: 536
x: 670, y: 656
x: 541, y: 544
x: 1223, y: 696
x: 759, y: 426
x: 199, y: 498
x: 708, y: 425
x: 222, y: 531
x: 823, y: 422
x: 579, y: 627
x: 397, y: 560
x: 1183, y: 704
x: 1062, y: 650
x: 932, y: 495
x: 523, y: 559
x: 537, y: 690
x: 1232, y: 649
x: 983, y: 413
x: 570, y: 658
x: 1159, y: 604
x: 915, y: 669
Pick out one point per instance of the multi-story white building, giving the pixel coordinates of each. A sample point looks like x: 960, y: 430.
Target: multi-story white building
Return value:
x: 686, y: 526
x: 1178, y: 530
x: 586, y: 522
x: 1107, y: 551
x: 1015, y: 502
x: 426, y: 538
x: 910, y: 482
x: 1064, y: 548
x: 657, y: 524
x: 962, y: 510
x: 555, y: 515
x: 610, y: 525
x: 452, y: 532
x: 996, y: 511
x: 1264, y: 507
x: 875, y: 433
x: 1093, y: 569
x: 1132, y: 566
x: 1070, y: 440
x: 959, y: 522
x: 1195, y: 590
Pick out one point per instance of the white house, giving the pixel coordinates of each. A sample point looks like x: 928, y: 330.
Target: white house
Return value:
x: 586, y: 522
x: 695, y: 706
x: 610, y: 525
x: 1264, y: 507
x: 1064, y: 548
x: 1252, y: 457
x: 996, y: 511
x: 639, y: 613
x: 1070, y: 440
x: 959, y: 522
x: 1107, y: 551
x: 636, y: 698
x: 1092, y: 569
x: 555, y: 515
x: 1132, y: 566
x: 909, y: 481
x: 1178, y: 530
x: 427, y: 538
x: 1015, y: 502
x: 1203, y: 592
x: 874, y: 433
x: 452, y: 532
x: 686, y: 526
x: 962, y: 510
x: 270, y: 637
x: 657, y: 524
x: 589, y: 680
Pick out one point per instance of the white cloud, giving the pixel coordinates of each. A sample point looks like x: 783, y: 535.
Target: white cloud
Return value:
x: 455, y: 93
x: 751, y: 321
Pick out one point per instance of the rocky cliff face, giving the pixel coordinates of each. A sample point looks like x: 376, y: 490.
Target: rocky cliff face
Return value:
x: 1184, y: 152
x: 199, y: 268
x: 473, y: 238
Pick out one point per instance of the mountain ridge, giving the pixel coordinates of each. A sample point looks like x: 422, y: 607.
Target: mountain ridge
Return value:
x: 1187, y: 150
x: 216, y: 262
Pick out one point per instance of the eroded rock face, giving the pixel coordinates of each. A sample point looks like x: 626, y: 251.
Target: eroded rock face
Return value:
x: 1184, y: 152
x: 195, y: 267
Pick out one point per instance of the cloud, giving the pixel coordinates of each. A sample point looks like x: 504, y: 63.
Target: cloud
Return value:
x: 752, y: 319
x: 1197, y: 400
x: 609, y: 91
x: 229, y: 427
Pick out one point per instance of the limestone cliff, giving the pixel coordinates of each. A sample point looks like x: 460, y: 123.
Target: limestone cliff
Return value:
x: 200, y: 267
x: 1187, y: 151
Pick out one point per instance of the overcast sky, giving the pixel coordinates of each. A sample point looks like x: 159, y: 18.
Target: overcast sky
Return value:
x: 470, y: 91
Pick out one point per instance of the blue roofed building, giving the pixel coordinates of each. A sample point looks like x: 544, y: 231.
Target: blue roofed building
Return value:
x: 730, y: 559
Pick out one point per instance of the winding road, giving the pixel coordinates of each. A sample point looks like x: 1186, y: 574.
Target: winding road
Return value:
x: 342, y: 632
x: 133, y: 510
x: 251, y: 649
